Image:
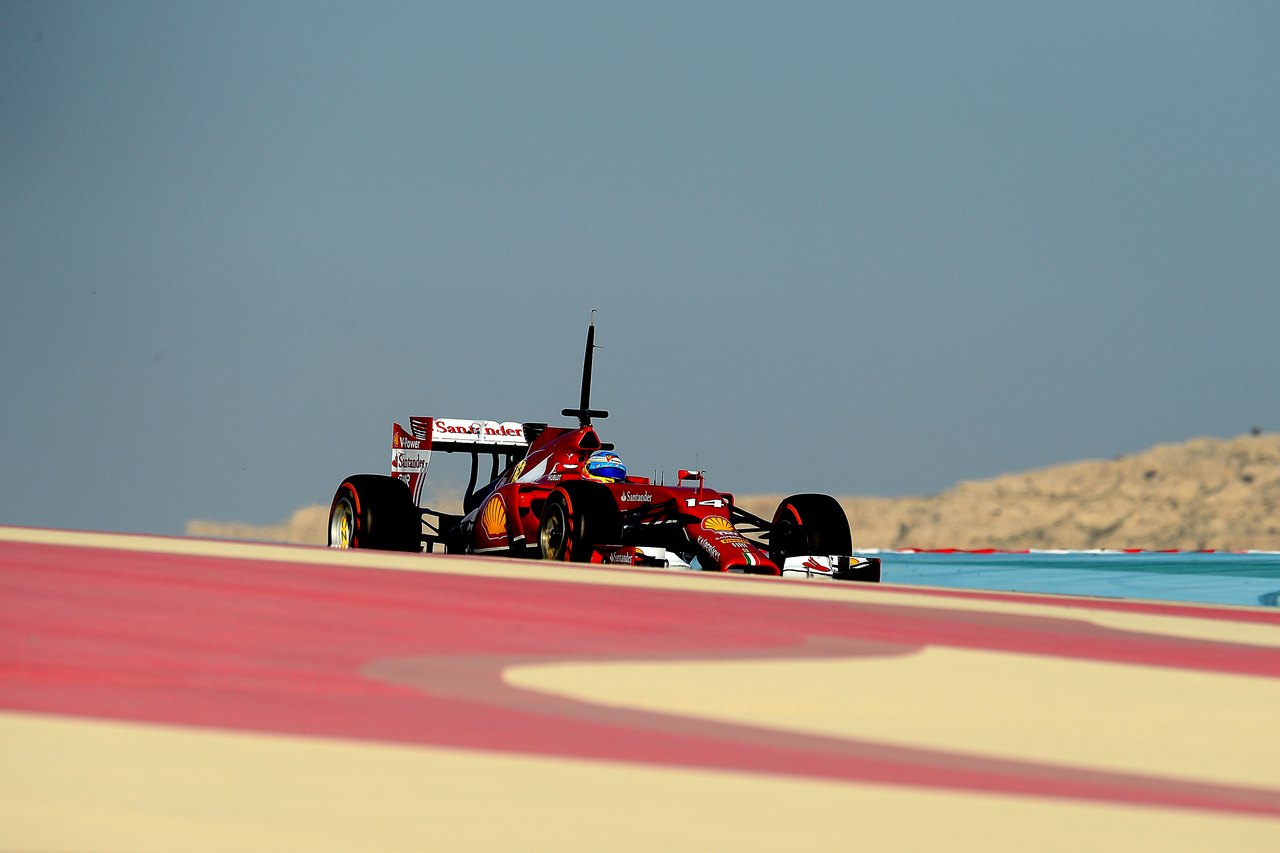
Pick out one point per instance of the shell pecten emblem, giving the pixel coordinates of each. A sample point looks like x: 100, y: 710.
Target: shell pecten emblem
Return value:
x: 494, y: 518
x: 717, y: 523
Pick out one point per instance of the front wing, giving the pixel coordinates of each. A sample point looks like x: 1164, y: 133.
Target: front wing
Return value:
x: 835, y: 567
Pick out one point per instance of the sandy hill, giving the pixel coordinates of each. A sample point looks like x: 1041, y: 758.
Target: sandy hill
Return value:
x: 1203, y: 493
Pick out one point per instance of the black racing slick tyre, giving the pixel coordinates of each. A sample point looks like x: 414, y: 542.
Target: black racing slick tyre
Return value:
x: 809, y: 524
x: 575, y: 517
x: 374, y: 511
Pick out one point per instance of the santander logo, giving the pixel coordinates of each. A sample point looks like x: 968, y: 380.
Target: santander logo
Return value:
x: 441, y: 426
x: 407, y: 463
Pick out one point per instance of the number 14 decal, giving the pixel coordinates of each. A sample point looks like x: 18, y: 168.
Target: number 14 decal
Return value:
x: 718, y: 503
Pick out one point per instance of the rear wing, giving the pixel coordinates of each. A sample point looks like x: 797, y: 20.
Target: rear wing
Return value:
x: 506, y: 442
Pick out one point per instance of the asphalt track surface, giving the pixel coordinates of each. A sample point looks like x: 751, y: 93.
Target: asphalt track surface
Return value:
x: 179, y: 694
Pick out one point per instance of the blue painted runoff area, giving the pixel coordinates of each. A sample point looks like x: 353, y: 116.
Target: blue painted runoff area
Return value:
x: 1205, y: 578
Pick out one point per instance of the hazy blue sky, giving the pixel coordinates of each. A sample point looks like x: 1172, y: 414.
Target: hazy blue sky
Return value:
x: 865, y: 248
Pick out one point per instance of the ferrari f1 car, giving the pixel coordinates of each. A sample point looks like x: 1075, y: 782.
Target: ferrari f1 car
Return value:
x: 541, y: 501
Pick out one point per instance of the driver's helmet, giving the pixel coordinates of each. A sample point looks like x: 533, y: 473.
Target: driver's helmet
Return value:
x: 605, y: 466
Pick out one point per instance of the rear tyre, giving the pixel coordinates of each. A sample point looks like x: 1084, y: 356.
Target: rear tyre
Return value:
x: 575, y: 517
x: 374, y: 511
x: 809, y: 524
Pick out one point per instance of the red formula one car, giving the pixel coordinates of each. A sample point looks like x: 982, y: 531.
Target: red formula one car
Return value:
x: 557, y: 493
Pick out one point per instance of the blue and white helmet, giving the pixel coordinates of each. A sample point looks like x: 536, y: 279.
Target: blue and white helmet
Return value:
x: 606, y: 465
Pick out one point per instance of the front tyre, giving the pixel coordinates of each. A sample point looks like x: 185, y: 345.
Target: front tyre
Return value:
x: 809, y: 524
x: 374, y: 511
x: 553, y: 533
x: 576, y: 517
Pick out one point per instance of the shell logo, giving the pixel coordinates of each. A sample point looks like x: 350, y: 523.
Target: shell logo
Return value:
x: 715, y: 522
x: 494, y: 518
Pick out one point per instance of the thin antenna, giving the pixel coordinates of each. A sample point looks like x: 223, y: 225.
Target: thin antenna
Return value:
x: 584, y: 413
x: 584, y: 404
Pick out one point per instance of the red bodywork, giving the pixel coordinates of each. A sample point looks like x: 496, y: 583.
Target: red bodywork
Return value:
x: 681, y: 518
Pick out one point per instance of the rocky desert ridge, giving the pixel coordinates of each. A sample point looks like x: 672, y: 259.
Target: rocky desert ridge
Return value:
x: 1206, y: 493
